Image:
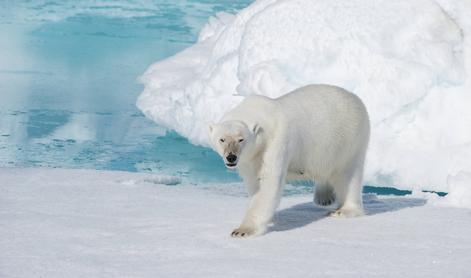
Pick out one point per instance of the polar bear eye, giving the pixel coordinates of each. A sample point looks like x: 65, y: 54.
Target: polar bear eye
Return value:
x: 221, y: 140
x: 242, y: 139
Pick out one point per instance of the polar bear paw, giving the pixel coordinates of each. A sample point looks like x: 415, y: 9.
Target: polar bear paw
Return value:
x: 324, y: 196
x: 243, y: 232
x: 347, y: 212
x: 247, y: 231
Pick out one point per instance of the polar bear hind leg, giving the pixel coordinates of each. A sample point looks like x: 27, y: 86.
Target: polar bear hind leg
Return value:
x: 348, y: 192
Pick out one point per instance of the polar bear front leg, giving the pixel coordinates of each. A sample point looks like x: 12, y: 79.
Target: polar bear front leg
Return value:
x: 261, y: 208
x: 265, y: 201
x: 249, y: 174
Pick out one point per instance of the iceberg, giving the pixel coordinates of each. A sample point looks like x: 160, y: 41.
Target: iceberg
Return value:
x: 409, y: 61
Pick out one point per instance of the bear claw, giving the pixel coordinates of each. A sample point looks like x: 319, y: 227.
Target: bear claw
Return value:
x: 242, y: 233
x: 324, y: 197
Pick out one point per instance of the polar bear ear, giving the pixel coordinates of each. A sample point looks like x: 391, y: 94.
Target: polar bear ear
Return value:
x: 255, y: 128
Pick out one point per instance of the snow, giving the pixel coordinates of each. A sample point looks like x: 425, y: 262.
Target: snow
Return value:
x: 409, y: 61
x: 86, y: 223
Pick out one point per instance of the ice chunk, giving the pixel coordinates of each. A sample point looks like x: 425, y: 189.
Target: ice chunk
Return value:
x: 409, y: 61
x: 167, y: 180
x: 460, y: 193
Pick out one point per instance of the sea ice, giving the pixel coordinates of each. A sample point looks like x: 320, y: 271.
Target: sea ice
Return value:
x: 88, y: 223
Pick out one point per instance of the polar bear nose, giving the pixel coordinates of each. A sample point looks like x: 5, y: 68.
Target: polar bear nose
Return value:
x: 231, y: 158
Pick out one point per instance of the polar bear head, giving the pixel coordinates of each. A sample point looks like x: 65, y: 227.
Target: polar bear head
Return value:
x: 233, y: 140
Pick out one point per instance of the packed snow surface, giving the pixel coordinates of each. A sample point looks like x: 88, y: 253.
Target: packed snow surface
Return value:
x: 85, y: 223
x: 409, y: 61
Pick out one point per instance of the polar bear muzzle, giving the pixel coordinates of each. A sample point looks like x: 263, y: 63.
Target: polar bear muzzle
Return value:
x: 231, y: 160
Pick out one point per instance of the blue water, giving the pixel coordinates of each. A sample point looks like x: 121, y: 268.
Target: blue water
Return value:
x: 68, y: 86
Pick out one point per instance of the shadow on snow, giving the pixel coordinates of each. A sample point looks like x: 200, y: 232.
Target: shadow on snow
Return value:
x: 303, y: 214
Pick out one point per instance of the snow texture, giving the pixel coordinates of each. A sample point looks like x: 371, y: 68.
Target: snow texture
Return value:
x: 85, y: 223
x: 409, y: 61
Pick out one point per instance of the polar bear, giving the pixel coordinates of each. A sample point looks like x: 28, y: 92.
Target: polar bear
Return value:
x: 317, y: 132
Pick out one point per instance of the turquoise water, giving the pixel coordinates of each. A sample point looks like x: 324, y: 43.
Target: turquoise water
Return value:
x: 68, y: 86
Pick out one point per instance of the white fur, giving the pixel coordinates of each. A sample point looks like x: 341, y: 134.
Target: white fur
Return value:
x: 317, y: 132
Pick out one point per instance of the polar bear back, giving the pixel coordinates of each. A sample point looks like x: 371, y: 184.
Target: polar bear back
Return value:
x: 329, y: 112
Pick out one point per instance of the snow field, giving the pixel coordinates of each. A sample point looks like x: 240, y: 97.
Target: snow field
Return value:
x: 85, y: 223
